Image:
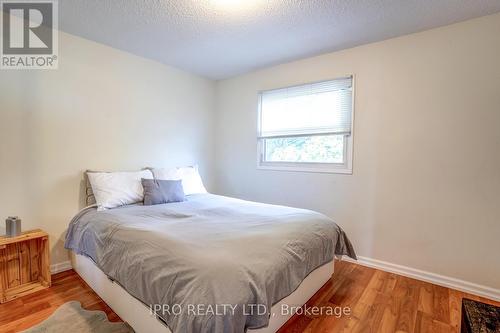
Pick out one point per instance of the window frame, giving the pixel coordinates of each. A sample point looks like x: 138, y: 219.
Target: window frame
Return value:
x: 340, y: 168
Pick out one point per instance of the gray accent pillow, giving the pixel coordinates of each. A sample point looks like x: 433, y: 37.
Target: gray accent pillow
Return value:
x: 162, y: 191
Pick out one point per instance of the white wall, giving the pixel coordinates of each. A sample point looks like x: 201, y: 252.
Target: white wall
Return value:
x: 425, y: 191
x: 103, y: 109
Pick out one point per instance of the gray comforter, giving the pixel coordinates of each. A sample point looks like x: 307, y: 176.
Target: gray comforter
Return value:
x: 209, y: 259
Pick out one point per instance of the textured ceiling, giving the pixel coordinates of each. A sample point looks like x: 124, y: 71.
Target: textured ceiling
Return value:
x: 222, y: 38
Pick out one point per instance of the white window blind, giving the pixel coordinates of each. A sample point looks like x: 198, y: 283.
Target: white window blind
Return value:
x: 322, y: 108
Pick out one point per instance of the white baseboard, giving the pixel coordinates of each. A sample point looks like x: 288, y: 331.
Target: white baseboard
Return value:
x: 60, y: 267
x: 445, y: 281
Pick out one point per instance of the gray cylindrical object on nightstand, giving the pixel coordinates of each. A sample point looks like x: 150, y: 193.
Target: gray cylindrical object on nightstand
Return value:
x: 13, y: 227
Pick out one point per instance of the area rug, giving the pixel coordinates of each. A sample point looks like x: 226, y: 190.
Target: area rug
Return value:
x: 71, y: 317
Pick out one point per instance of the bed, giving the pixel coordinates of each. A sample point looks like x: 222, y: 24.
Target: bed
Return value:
x: 238, y: 258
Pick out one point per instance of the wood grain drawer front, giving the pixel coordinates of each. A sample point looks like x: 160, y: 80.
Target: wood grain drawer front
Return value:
x: 24, y: 267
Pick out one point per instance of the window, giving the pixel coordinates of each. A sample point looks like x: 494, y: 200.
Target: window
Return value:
x: 307, y: 127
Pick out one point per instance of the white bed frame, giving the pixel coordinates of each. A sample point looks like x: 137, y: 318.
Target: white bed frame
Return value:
x: 138, y: 315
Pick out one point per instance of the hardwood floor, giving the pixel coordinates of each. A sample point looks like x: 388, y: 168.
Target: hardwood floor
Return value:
x: 382, y: 302
x: 378, y: 302
x: 27, y: 311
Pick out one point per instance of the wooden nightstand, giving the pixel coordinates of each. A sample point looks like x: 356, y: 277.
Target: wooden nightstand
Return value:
x: 24, y: 264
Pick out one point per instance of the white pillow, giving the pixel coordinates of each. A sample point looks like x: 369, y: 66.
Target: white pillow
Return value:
x: 114, y: 189
x: 191, y: 179
x: 167, y: 174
